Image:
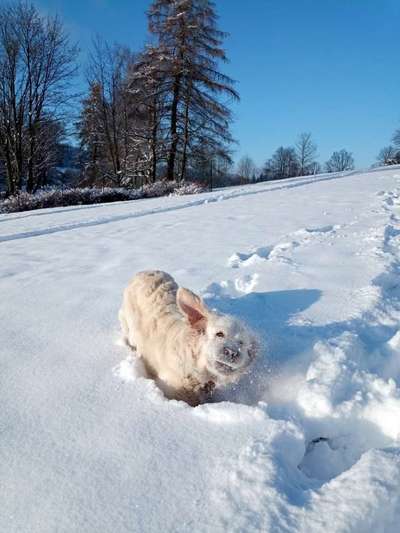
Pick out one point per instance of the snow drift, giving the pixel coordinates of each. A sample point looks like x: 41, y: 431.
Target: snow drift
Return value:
x: 309, y: 441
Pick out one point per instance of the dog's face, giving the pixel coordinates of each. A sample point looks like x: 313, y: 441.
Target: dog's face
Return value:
x: 226, y: 347
x: 229, y: 346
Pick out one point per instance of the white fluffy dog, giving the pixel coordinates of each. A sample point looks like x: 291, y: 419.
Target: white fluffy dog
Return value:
x: 188, y: 349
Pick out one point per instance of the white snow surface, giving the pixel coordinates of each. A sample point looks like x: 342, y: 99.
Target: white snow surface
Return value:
x: 310, y: 439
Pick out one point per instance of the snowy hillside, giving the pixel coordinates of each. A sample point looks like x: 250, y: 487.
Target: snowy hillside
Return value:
x: 310, y: 441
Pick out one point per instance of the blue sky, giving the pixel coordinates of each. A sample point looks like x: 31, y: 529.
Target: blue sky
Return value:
x: 330, y: 67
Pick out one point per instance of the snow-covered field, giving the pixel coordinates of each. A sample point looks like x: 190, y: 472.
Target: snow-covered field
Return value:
x: 309, y: 442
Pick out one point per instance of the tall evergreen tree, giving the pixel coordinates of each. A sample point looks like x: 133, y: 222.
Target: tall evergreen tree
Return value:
x: 189, y: 43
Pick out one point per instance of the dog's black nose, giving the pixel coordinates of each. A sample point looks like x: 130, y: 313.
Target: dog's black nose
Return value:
x: 230, y: 355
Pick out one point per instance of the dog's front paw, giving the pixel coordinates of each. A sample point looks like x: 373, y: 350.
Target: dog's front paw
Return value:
x: 206, y: 391
x: 197, y: 392
x: 209, y: 387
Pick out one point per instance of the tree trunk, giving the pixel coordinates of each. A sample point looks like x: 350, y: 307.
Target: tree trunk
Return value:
x: 186, y: 132
x: 30, y: 182
x: 174, y: 129
x: 154, y: 135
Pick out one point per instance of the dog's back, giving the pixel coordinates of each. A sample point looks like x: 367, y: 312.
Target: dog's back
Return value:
x: 149, y: 317
x: 149, y: 297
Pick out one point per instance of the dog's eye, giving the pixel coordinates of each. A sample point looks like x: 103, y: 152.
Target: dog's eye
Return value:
x: 220, y: 334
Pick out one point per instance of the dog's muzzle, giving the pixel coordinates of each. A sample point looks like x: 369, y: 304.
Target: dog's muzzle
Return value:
x: 231, y: 356
x: 227, y: 361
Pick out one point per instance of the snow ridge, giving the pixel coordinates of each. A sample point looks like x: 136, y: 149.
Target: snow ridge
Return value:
x: 204, y: 199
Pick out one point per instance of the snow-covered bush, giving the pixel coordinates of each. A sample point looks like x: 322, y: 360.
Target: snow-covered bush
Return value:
x: 189, y: 188
x: 86, y: 196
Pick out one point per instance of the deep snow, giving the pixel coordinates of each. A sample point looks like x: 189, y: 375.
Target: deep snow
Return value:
x: 310, y: 440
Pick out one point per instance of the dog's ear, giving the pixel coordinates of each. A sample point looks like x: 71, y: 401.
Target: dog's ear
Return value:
x: 193, y: 308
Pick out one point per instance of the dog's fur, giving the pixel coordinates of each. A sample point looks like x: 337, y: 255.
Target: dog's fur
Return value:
x: 187, y: 348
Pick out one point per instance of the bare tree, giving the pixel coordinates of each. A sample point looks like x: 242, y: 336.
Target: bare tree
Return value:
x: 37, y: 63
x: 396, y: 138
x: 340, y: 161
x: 246, y: 169
x: 109, y: 116
x: 283, y: 164
x: 315, y: 168
x: 306, y: 152
x: 388, y: 156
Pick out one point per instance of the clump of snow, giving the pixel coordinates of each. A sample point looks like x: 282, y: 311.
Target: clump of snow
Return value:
x: 130, y: 369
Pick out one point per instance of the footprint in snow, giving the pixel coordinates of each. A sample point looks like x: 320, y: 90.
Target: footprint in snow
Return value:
x: 326, y: 458
x: 317, y: 230
x: 262, y: 254
x: 280, y: 250
x: 322, y: 229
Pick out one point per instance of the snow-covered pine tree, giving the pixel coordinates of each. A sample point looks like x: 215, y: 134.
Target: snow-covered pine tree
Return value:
x: 189, y: 43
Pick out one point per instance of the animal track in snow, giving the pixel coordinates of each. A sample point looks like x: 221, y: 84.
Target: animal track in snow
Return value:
x: 391, y: 201
x: 280, y: 250
x: 259, y: 255
x: 318, y: 231
x: 322, y: 229
x: 326, y: 458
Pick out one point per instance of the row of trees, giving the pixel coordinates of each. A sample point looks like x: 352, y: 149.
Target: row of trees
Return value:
x: 300, y: 160
x: 297, y: 160
x: 158, y: 112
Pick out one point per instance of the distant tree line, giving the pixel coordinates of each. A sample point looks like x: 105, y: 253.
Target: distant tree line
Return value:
x: 291, y: 161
